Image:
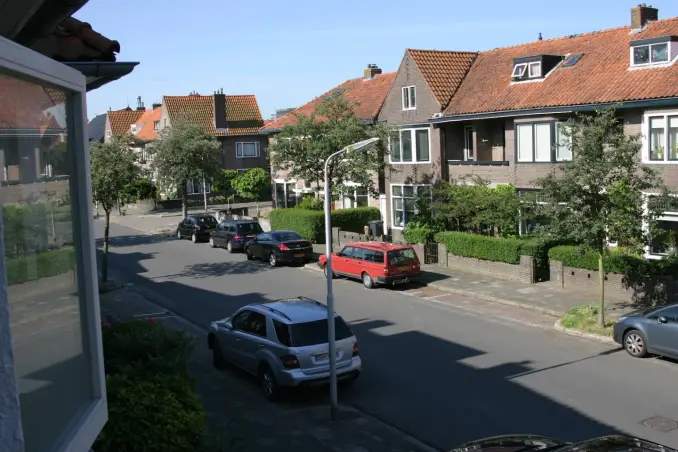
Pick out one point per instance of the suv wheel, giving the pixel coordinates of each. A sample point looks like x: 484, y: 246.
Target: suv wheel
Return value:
x: 269, y: 385
x: 194, y: 238
x: 179, y: 236
x: 367, y: 281
x: 229, y: 246
x: 248, y: 253
x: 217, y: 356
x: 272, y: 260
x: 212, y: 244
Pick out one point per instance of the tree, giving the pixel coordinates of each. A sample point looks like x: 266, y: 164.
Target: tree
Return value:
x: 223, y: 182
x: 113, y: 166
x: 599, y: 194
x: 251, y: 184
x: 301, y: 149
x: 186, y: 152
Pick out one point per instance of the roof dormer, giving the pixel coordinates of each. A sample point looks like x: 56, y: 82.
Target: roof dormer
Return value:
x: 533, y: 67
x: 653, y: 51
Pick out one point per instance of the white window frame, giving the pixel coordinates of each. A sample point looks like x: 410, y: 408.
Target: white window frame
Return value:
x: 16, y: 60
x: 285, y: 183
x: 353, y: 195
x: 647, y: 116
x: 392, y: 198
x: 413, y: 136
x: 519, y: 70
x: 409, y: 105
x: 239, y: 149
x: 156, y: 125
x: 469, y: 144
x: 669, y: 52
x: 45, y: 162
x: 559, y: 127
x: 537, y: 71
x: 669, y: 216
x: 190, y: 188
x: 533, y: 125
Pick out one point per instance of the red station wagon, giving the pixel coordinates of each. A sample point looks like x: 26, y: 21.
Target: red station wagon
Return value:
x: 375, y: 263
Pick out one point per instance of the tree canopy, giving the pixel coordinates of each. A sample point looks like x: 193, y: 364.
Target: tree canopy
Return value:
x: 301, y: 149
x: 251, y: 184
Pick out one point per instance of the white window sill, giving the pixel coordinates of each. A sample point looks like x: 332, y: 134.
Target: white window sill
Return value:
x: 409, y: 109
x: 247, y: 157
x: 659, y: 162
x: 398, y: 228
x: 427, y: 162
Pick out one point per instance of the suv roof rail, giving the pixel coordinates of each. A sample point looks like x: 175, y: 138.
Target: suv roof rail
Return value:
x: 275, y: 311
x: 312, y: 300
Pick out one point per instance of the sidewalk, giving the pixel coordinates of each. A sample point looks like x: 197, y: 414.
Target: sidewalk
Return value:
x: 237, y: 410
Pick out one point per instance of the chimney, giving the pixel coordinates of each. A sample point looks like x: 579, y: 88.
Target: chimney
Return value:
x: 539, y: 38
x: 219, y: 109
x: 140, y: 104
x: 641, y: 15
x: 371, y: 71
x: 156, y: 105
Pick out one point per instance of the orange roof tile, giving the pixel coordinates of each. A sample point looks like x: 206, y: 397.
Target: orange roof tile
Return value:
x: 443, y: 71
x: 122, y: 120
x: 26, y: 105
x: 602, y: 75
x: 242, y: 113
x: 368, y: 93
x: 145, y: 125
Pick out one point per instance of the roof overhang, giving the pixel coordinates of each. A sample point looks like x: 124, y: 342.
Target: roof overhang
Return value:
x: 100, y: 73
x: 27, y: 21
x: 622, y: 105
x: 369, y: 122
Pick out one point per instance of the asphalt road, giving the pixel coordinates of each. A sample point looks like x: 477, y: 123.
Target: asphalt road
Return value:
x: 435, y: 367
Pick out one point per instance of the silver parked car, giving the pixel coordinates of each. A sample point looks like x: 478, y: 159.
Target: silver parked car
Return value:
x: 285, y: 344
x: 649, y: 331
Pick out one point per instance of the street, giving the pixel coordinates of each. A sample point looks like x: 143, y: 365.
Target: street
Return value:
x: 435, y: 368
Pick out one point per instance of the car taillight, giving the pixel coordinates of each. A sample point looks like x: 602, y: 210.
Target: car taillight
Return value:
x: 356, y: 349
x: 386, y: 270
x: 290, y: 362
x: 283, y: 247
x: 236, y: 237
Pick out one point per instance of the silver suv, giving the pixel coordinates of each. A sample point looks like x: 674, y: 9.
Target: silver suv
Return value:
x: 284, y: 343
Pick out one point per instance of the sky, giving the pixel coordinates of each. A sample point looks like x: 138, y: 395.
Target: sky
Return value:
x: 289, y: 52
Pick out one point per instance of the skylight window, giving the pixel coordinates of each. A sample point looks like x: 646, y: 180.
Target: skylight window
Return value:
x: 650, y: 54
x: 519, y: 70
x: 572, y: 60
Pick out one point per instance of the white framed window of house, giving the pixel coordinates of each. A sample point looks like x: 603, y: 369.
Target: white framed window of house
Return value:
x: 409, y: 97
x: 67, y: 409
x: 156, y: 125
x: 247, y: 150
x: 355, y: 197
x: 411, y: 146
x: 285, y: 194
x: 109, y: 133
x: 404, y: 202
x: 533, y: 142
x: 534, y: 69
x: 660, y: 144
x: 650, y: 54
x: 563, y: 142
x: 196, y: 188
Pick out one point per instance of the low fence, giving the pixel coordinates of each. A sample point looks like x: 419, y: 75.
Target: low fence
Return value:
x: 524, y: 272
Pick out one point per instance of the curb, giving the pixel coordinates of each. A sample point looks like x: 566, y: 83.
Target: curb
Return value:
x: 590, y: 336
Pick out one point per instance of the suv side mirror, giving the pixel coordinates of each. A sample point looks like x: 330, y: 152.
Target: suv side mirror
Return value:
x: 227, y: 325
x: 662, y: 319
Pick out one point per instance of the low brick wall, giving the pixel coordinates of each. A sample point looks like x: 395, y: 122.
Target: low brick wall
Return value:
x: 647, y: 290
x: 523, y: 272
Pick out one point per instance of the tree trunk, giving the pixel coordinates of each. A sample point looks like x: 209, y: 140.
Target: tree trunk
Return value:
x: 601, y: 295
x: 257, y: 203
x: 184, y: 202
x: 104, y: 261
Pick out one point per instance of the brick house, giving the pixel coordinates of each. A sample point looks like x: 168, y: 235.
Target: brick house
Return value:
x: 423, y: 86
x: 235, y: 120
x: 502, y: 123
x: 368, y: 92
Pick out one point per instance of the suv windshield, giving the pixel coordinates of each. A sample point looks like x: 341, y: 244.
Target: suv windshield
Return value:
x: 315, y: 333
x: 249, y: 228
x: 206, y: 221
x: 286, y: 236
x: 403, y: 256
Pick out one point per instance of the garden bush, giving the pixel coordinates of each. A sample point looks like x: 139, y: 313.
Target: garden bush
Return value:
x: 354, y: 220
x: 40, y: 265
x: 495, y: 249
x: 416, y: 232
x: 615, y: 262
x: 310, y: 224
x: 310, y: 203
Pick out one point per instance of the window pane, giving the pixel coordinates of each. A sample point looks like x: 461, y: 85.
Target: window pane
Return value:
x: 673, y: 138
x: 413, y: 97
x: 641, y: 55
x: 348, y: 202
x: 361, y: 197
x: 51, y: 348
x: 422, y: 145
x: 395, y: 147
x: 660, y: 53
x: 408, y: 191
x: 315, y: 333
x: 657, y: 138
x: 396, y: 190
x: 291, y: 195
x: 535, y: 70
x: 524, y: 142
x: 410, y: 209
x: 398, y: 219
x: 406, y: 139
x: 564, y: 144
x: 279, y: 195
x: 543, y: 143
x: 406, y: 98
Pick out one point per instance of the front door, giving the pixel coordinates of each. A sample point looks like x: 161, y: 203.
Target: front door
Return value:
x: 233, y: 339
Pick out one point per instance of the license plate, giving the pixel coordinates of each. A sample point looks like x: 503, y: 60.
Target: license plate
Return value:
x: 404, y: 268
x: 323, y: 357
x: 250, y: 236
x: 299, y: 255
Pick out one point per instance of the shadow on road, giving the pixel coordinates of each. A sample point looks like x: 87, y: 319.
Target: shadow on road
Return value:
x: 219, y: 269
x: 135, y: 240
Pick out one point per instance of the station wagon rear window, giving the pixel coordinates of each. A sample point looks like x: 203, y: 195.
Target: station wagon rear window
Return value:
x: 249, y: 228
x: 315, y: 333
x: 206, y: 221
x: 403, y: 256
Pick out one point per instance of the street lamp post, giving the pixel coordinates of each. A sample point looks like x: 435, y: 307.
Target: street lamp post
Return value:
x: 328, y: 252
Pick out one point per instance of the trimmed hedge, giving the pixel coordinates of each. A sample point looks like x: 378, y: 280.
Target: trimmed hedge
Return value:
x: 310, y: 224
x: 577, y: 257
x: 495, y: 249
x: 40, y: 265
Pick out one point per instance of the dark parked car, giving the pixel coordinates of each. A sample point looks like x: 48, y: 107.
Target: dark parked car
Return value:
x: 233, y: 235
x: 280, y: 247
x: 649, y: 331
x: 197, y: 227
x: 533, y: 443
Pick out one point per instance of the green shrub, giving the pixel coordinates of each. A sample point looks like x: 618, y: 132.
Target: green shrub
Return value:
x: 615, y: 262
x: 40, y: 265
x: 142, y: 347
x: 309, y: 224
x: 157, y: 413
x: 416, y: 232
x: 354, y: 220
x: 481, y: 247
x: 538, y: 248
x: 310, y: 203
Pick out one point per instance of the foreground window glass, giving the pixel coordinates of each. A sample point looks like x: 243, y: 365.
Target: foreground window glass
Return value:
x: 52, y: 363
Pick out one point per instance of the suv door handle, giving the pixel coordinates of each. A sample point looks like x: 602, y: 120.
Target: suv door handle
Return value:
x: 260, y: 345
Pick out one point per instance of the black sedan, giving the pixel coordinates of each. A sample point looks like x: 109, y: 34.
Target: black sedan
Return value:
x: 278, y: 247
x: 649, y: 331
x: 534, y: 443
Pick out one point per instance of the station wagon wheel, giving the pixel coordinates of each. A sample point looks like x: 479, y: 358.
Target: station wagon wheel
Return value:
x: 635, y: 344
x: 272, y: 260
x: 194, y: 238
x: 212, y: 244
x: 248, y: 253
x: 229, y: 246
x: 325, y: 271
x: 367, y: 281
